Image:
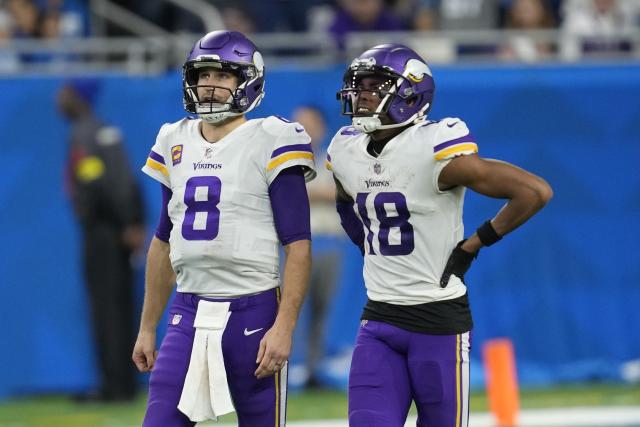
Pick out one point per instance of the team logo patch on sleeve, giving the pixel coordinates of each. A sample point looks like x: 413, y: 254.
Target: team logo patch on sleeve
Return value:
x: 176, y: 154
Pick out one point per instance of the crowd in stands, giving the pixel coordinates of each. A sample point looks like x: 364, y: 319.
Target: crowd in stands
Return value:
x: 46, y: 20
x: 594, y: 27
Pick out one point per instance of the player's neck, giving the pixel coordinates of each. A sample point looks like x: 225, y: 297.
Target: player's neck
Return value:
x: 214, y: 132
x: 383, y: 136
x: 380, y: 138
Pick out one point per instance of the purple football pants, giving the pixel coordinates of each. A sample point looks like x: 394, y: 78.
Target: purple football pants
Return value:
x: 392, y: 367
x: 258, y: 403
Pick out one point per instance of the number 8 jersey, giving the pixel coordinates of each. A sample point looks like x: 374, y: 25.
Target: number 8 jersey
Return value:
x: 410, y: 226
x: 223, y: 242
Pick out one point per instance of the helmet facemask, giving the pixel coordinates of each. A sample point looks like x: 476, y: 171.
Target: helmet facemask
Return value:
x: 401, y: 97
x: 221, y: 103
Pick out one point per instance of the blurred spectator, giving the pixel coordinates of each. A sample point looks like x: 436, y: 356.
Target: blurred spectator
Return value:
x: 108, y: 206
x: 49, y: 25
x: 463, y: 14
x: 72, y: 16
x: 459, y: 15
x: 424, y: 19
x: 362, y: 15
x: 598, y: 27
x: 236, y: 19
x: 327, y: 246
x: 25, y: 17
x: 9, y: 61
x: 281, y: 15
x: 172, y: 18
x: 528, y: 15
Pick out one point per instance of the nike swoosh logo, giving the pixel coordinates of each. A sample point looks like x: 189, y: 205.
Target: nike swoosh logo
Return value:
x: 452, y: 124
x: 299, y: 129
x: 247, y: 332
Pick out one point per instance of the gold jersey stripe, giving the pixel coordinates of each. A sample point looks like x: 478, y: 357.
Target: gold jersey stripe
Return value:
x: 458, y: 148
x: 157, y: 166
x: 289, y: 156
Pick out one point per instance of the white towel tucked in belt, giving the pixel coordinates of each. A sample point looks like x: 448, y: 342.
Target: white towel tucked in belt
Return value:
x: 205, y: 395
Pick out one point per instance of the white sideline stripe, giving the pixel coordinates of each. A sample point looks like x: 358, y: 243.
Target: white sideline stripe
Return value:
x: 558, y: 417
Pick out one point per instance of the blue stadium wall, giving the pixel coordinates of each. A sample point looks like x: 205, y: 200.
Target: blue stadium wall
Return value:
x: 565, y: 288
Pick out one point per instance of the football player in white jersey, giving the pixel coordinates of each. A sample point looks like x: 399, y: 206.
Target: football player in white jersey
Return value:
x: 401, y: 180
x: 233, y: 192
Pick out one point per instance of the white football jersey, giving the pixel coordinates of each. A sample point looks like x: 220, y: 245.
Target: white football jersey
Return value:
x: 223, y: 242
x: 410, y: 226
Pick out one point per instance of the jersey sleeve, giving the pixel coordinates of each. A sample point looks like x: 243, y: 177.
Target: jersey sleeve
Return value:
x: 337, y: 142
x: 453, y: 139
x: 156, y: 164
x: 291, y: 147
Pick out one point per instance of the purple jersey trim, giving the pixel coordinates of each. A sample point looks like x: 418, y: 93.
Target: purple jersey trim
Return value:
x: 164, y: 224
x: 157, y: 157
x: 467, y: 138
x: 294, y: 147
x: 290, y: 205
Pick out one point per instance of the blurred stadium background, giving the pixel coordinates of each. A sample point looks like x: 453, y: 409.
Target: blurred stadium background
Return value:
x: 550, y: 85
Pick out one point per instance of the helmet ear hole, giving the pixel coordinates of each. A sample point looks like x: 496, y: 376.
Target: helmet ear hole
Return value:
x: 412, y: 101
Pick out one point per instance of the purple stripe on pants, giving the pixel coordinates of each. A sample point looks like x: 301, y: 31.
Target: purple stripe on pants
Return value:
x: 255, y: 400
x: 392, y: 367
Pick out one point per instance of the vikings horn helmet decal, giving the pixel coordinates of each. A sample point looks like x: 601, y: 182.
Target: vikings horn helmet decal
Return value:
x: 403, y: 82
x: 228, y: 51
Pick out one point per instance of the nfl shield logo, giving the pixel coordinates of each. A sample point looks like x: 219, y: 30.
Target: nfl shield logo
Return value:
x: 377, y: 168
x: 176, y: 154
x: 176, y: 319
x: 208, y: 153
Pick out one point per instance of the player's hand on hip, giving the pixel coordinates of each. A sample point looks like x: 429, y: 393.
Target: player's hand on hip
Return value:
x: 144, y: 351
x: 458, y: 263
x: 274, y: 351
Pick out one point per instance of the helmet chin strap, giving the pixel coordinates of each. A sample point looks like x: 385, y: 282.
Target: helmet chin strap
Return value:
x: 373, y: 123
x: 366, y: 124
x: 217, y: 116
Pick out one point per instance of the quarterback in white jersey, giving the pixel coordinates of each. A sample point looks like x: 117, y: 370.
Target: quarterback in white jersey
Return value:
x: 401, y: 180
x: 223, y: 241
x: 233, y: 192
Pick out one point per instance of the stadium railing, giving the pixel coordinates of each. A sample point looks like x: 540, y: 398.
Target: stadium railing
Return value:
x: 153, y: 55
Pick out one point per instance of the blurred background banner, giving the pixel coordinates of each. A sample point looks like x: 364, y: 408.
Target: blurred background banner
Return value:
x: 565, y: 288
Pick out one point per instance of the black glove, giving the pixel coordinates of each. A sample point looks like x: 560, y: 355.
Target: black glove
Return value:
x: 458, y: 263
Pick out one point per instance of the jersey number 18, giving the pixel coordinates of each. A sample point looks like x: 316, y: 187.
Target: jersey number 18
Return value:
x: 387, y: 222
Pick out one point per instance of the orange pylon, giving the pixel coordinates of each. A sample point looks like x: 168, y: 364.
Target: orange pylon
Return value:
x: 502, y: 382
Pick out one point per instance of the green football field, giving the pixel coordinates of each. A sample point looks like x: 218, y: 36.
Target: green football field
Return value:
x: 59, y: 411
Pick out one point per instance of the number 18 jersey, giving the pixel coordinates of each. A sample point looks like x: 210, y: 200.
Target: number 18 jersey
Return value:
x: 410, y: 226
x: 223, y: 242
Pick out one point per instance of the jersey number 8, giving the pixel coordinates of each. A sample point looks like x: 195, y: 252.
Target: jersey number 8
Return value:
x: 206, y: 207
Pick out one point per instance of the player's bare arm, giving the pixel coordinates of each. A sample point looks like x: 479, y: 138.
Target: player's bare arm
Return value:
x: 159, y: 279
x: 275, y: 346
x: 526, y: 192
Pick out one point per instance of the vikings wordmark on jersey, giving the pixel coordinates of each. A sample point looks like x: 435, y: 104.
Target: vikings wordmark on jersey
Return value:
x: 223, y: 242
x: 409, y: 229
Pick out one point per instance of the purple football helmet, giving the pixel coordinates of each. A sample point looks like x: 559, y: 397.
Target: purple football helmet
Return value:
x: 402, y: 79
x: 228, y: 51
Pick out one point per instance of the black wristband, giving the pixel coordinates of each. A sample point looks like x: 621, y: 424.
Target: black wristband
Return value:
x: 487, y: 234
